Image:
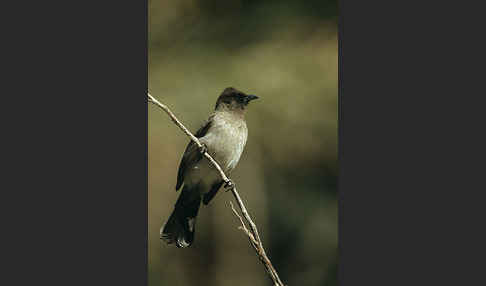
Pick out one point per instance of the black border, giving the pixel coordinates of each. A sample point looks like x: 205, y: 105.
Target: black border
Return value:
x: 404, y: 175
x: 77, y: 164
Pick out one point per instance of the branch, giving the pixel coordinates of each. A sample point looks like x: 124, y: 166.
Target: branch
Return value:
x: 253, y: 235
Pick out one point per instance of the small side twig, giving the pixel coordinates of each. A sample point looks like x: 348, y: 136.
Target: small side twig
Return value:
x: 252, y: 234
x: 243, y: 226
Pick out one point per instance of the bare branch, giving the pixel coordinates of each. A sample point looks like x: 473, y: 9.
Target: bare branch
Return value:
x: 243, y: 226
x: 188, y: 133
x: 253, y: 236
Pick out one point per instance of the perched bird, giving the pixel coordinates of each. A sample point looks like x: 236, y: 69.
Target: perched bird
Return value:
x: 224, y: 137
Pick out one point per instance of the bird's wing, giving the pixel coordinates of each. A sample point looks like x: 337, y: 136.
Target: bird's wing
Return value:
x: 192, y: 155
x: 214, y: 189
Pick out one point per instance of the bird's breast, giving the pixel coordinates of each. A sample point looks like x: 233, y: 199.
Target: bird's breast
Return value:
x: 226, y: 140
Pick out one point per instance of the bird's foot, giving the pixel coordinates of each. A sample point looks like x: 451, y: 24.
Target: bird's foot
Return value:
x: 203, y: 149
x: 229, y: 185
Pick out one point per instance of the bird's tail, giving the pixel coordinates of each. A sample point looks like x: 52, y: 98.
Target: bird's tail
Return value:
x: 181, y: 225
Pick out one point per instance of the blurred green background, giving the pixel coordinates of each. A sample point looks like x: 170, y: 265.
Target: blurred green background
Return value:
x: 285, y: 52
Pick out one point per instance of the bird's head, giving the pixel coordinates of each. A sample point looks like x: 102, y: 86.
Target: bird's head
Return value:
x: 233, y: 99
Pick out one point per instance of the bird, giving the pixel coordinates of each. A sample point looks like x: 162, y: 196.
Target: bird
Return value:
x: 223, y: 136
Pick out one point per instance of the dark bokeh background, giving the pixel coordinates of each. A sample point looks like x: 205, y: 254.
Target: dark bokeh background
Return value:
x: 286, y: 53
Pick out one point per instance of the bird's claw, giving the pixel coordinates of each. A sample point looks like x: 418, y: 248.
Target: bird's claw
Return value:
x: 203, y: 149
x: 229, y: 185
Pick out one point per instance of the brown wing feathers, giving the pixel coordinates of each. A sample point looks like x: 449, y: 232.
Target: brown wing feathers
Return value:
x: 192, y: 155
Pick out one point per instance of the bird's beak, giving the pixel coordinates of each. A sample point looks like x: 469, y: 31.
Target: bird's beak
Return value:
x: 251, y: 97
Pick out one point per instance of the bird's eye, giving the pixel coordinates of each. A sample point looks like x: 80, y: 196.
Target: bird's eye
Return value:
x: 241, y: 98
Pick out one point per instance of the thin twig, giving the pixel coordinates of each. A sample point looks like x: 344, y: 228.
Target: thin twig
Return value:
x: 253, y: 236
x: 243, y: 226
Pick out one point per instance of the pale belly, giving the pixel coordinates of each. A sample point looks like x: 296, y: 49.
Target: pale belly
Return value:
x: 225, y: 143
